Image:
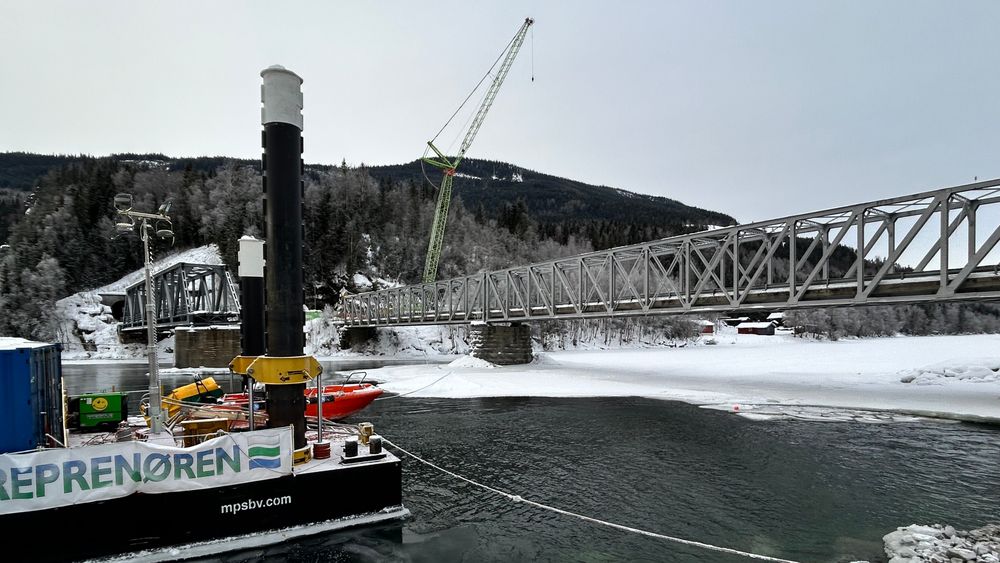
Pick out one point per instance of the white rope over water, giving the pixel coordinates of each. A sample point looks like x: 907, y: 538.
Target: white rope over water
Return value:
x: 415, y: 390
x: 518, y: 498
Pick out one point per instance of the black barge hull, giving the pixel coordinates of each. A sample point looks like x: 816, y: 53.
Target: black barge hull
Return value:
x: 176, y: 525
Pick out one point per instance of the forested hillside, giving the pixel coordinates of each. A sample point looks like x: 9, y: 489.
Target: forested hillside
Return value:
x: 558, y: 208
x: 561, y: 207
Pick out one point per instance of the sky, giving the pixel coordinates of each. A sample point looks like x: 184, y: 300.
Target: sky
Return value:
x: 757, y: 109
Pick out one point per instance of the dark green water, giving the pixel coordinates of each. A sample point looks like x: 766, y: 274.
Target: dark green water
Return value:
x: 800, y: 490
x: 807, y: 491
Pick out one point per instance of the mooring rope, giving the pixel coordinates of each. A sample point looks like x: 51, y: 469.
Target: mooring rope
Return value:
x: 415, y: 390
x: 518, y: 498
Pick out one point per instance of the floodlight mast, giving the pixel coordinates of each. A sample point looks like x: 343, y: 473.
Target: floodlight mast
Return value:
x: 123, y: 204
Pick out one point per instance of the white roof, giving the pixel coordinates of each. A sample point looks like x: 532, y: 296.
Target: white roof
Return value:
x: 754, y: 325
x: 703, y: 322
x: 12, y: 343
x: 776, y: 316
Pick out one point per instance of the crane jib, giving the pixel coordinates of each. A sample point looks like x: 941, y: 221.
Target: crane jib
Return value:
x: 444, y: 193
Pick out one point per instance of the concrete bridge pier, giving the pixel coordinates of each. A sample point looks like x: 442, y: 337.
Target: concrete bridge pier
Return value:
x: 356, y: 336
x: 503, y: 344
x: 210, y: 347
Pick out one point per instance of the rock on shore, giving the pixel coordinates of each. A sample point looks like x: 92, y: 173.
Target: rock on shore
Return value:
x: 943, y: 544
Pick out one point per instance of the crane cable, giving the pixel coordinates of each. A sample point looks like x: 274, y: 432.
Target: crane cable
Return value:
x: 532, y: 54
x: 467, y: 98
x: 480, y: 83
x: 451, y: 145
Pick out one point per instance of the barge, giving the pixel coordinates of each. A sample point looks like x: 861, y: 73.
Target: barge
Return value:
x: 145, y: 501
x: 159, y: 494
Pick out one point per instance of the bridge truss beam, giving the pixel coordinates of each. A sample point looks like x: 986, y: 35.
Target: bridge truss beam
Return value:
x: 932, y: 246
x: 186, y: 295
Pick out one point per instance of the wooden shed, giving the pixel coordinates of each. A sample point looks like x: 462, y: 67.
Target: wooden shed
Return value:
x: 777, y: 318
x: 764, y: 329
x: 705, y: 327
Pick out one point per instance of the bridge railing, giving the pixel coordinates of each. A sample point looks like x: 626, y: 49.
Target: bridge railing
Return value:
x: 938, y: 245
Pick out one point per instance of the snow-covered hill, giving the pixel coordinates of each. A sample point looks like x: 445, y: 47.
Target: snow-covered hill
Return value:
x: 87, y: 329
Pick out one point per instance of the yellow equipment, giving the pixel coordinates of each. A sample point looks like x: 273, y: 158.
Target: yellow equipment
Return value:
x: 201, y: 391
x: 198, y: 430
x: 277, y: 370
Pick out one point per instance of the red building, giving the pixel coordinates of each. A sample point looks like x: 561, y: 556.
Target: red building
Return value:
x: 764, y: 329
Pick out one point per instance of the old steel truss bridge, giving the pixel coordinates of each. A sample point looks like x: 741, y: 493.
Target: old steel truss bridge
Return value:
x: 931, y: 246
x: 186, y: 295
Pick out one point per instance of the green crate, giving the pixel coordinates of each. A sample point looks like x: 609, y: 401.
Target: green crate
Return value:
x: 103, y: 409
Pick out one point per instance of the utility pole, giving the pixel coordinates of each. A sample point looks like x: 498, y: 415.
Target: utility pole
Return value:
x: 123, y: 204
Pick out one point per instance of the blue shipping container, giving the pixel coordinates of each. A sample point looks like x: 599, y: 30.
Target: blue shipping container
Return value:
x: 31, y: 398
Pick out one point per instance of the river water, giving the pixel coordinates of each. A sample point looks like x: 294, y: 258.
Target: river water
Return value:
x: 809, y: 491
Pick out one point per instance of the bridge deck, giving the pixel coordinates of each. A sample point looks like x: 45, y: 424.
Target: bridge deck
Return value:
x: 920, y: 248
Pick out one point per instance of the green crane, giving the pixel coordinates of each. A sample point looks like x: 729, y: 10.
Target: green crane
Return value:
x: 448, y: 165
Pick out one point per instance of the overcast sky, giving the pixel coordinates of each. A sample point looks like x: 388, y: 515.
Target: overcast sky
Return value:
x: 755, y: 108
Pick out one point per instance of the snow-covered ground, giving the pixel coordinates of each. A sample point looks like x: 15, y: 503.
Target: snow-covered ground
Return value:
x: 755, y: 376
x: 323, y: 339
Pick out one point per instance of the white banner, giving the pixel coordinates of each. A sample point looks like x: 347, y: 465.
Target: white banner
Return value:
x: 61, y: 477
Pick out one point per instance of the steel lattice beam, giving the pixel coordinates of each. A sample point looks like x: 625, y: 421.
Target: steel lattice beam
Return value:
x: 186, y: 295
x: 903, y: 252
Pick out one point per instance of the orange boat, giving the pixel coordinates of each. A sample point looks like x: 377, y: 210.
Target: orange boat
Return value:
x: 339, y: 401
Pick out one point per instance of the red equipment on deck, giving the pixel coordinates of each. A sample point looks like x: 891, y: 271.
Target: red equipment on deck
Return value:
x: 339, y: 401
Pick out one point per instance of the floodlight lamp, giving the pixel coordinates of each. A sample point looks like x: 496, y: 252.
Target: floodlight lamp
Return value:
x: 165, y: 231
x: 124, y: 227
x: 123, y: 202
x: 164, y: 207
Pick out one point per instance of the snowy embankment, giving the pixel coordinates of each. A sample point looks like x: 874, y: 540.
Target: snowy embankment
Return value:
x: 89, y: 332
x: 87, y: 329
x: 760, y: 377
x: 323, y: 340
x: 917, y: 544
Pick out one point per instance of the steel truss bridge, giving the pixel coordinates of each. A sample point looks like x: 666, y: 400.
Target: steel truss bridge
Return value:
x: 931, y: 246
x: 186, y: 295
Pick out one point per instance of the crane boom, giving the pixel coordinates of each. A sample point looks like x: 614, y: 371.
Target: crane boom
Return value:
x: 448, y: 165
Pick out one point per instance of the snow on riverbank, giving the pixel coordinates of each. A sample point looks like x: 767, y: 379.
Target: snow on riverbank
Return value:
x: 323, y: 339
x: 87, y: 329
x: 745, y: 373
x: 972, y: 369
